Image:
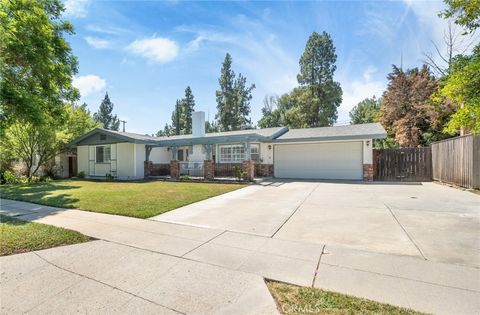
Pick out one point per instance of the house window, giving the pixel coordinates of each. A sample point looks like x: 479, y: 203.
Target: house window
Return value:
x: 180, y: 155
x: 102, y: 154
x: 232, y: 153
x: 255, y: 152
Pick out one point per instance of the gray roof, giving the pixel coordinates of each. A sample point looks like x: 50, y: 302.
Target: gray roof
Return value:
x: 362, y: 131
x: 265, y: 132
x: 276, y: 134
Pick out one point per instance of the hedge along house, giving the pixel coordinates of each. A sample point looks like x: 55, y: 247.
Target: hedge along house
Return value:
x: 341, y: 152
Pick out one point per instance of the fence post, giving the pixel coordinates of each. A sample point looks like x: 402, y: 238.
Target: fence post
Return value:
x: 208, y: 169
x: 174, y: 169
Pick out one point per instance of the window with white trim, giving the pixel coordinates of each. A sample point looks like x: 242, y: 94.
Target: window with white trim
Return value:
x: 102, y: 154
x: 255, y: 152
x: 232, y: 153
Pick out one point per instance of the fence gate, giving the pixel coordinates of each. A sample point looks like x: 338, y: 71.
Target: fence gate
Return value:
x: 407, y: 164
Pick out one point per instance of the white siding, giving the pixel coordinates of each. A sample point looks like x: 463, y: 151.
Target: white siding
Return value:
x: 160, y: 155
x: 368, y: 151
x: 82, y: 159
x: 125, y: 161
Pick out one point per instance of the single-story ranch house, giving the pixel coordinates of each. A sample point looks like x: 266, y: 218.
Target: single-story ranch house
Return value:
x: 340, y: 152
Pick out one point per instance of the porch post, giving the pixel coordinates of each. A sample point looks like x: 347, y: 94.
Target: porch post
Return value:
x: 147, y: 163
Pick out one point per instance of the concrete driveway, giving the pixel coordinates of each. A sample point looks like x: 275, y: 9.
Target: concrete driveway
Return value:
x: 427, y: 220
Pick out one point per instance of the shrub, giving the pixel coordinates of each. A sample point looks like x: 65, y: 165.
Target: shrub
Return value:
x: 10, y: 178
x: 81, y: 174
x: 109, y: 176
x: 185, y: 178
x: 240, y: 174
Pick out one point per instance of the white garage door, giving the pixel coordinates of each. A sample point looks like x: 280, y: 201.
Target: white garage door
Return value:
x: 336, y: 160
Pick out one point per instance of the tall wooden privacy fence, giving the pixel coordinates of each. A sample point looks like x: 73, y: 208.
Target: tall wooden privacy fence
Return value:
x: 406, y: 164
x: 457, y: 161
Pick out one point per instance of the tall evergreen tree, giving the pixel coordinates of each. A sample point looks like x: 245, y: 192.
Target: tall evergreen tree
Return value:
x: 233, y: 98
x: 225, y: 95
x: 317, y: 67
x: 177, y: 122
x: 105, y: 116
x: 188, y: 107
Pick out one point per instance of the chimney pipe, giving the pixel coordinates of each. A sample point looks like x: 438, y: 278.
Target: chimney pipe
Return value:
x: 198, y: 124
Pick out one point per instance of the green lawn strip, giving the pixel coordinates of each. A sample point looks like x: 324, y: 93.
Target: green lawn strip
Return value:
x: 18, y: 236
x: 135, y: 199
x: 302, y: 300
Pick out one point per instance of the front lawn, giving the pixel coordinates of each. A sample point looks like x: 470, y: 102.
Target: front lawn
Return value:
x: 18, y: 236
x: 302, y: 300
x: 140, y: 200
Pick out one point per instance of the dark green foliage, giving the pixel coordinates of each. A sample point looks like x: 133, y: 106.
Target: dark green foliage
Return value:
x: 105, y: 116
x: 271, y: 116
x: 317, y: 67
x: 367, y: 111
x: 36, y: 63
x: 233, y: 98
x: 188, y: 107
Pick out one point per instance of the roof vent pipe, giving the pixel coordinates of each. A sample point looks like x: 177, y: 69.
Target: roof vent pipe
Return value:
x: 198, y: 124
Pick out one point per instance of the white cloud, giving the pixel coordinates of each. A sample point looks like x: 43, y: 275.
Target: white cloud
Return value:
x: 156, y: 49
x: 98, y: 43
x: 76, y: 8
x: 355, y: 91
x: 89, y: 84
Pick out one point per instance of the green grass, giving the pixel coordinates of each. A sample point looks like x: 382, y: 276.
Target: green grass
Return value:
x: 301, y: 300
x: 140, y: 200
x: 18, y: 236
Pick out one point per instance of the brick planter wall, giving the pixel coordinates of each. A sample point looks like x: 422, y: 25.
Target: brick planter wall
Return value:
x: 249, y: 167
x: 367, y: 172
x: 174, y: 169
x: 209, y: 169
x: 263, y: 170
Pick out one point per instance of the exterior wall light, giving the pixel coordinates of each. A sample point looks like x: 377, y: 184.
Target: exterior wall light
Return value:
x: 269, y: 146
x: 368, y: 143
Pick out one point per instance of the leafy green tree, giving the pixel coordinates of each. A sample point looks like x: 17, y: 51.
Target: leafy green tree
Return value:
x: 79, y: 121
x: 105, y: 116
x: 462, y: 88
x: 367, y: 111
x: 188, y: 107
x: 233, y: 98
x: 271, y: 116
x: 166, y: 132
x: 34, y: 145
x: 36, y: 62
x: 211, y: 127
x: 465, y: 13
x: 317, y: 67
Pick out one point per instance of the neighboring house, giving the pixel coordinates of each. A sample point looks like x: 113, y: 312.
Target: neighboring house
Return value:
x: 342, y: 152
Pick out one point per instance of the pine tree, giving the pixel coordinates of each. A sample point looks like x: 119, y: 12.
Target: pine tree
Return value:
x: 105, y: 116
x: 317, y: 67
x: 233, y: 98
x: 177, y: 122
x: 188, y: 104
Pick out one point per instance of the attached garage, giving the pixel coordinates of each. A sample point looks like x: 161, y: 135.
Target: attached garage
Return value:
x: 329, y: 160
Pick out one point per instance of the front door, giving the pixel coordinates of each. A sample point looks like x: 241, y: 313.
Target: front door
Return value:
x: 71, y: 171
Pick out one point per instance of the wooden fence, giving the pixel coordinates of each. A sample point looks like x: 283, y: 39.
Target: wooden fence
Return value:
x: 406, y: 164
x: 457, y: 161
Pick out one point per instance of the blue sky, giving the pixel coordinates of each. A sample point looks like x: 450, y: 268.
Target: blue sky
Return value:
x: 144, y: 53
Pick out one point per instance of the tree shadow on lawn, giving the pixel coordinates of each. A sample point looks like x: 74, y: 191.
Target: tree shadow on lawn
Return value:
x: 40, y: 193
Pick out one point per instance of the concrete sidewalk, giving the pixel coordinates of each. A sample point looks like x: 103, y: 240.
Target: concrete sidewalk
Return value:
x: 225, y: 265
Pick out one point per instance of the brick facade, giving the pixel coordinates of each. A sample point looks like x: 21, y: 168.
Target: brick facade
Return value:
x: 263, y: 170
x: 367, y: 172
x: 209, y: 169
x: 249, y: 167
x: 174, y: 169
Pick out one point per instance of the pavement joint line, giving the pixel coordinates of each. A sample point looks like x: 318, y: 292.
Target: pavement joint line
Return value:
x: 405, y: 231
x: 402, y: 277
x: 295, y: 211
x: 208, y: 241
x: 108, y: 285
x: 318, y: 266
